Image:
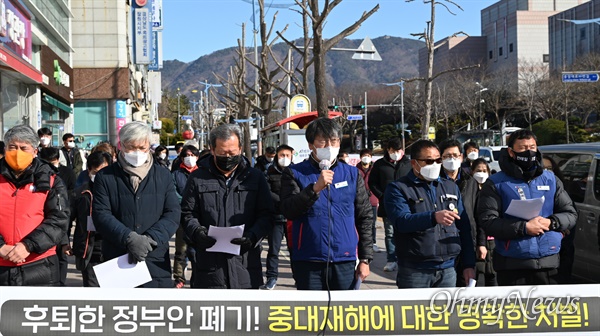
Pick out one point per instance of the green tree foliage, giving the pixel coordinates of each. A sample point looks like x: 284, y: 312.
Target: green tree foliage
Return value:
x: 387, y: 132
x: 550, y: 131
x: 166, y: 133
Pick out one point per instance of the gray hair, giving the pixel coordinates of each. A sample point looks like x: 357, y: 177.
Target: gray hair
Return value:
x: 135, y: 131
x: 224, y: 132
x: 22, y: 133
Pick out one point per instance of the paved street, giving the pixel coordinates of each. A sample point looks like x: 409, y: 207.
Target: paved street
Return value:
x: 377, y: 280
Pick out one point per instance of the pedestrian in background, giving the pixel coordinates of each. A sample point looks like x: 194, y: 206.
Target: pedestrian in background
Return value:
x: 161, y: 156
x: 87, y: 243
x: 189, y: 157
x: 264, y: 161
x: 390, y: 168
x: 364, y: 168
x: 283, y: 158
x: 63, y: 249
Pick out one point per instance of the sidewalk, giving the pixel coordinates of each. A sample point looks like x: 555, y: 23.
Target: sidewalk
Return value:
x: 377, y: 280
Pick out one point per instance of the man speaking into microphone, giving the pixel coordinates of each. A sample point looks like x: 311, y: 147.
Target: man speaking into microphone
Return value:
x: 330, y: 212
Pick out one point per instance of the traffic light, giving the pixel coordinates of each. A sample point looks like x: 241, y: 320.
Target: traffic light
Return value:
x: 333, y: 107
x: 358, y: 107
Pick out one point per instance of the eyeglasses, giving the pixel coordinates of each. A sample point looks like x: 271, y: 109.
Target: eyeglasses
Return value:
x: 451, y: 156
x: 430, y: 161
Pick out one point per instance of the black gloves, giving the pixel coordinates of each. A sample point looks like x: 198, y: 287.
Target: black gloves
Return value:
x: 201, y: 240
x: 139, y: 246
x: 246, y: 242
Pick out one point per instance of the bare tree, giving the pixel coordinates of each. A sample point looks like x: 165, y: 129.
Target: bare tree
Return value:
x: 311, y: 13
x: 429, y: 38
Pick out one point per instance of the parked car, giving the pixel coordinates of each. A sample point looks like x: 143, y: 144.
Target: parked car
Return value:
x: 580, y: 166
x: 491, y: 155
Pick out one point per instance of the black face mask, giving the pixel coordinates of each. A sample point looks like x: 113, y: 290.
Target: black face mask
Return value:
x: 525, y: 159
x: 227, y: 163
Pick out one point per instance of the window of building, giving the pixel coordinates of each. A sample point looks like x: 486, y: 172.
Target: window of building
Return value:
x: 510, y: 47
x: 546, y: 58
x: 12, y: 103
x: 500, y: 51
x: 582, y: 33
x: 491, y: 54
x: 91, y: 121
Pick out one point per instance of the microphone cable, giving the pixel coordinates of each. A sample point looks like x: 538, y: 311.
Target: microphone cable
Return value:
x: 329, y: 228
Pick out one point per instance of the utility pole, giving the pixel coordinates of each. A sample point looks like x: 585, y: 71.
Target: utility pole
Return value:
x: 365, y: 128
x: 401, y: 85
x: 178, y: 113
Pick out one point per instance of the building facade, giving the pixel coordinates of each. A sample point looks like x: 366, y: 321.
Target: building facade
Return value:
x: 574, y: 33
x: 113, y: 42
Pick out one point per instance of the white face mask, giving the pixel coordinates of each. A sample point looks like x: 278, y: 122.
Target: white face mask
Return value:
x: 481, y: 177
x: 136, y: 158
x: 327, y: 153
x: 92, y: 177
x: 45, y: 141
x: 190, y: 161
x: 431, y: 172
x: 452, y: 164
x: 473, y: 156
x: 284, y: 162
x: 269, y: 159
x: 397, y: 156
x: 162, y: 156
x: 71, y: 144
x: 366, y: 159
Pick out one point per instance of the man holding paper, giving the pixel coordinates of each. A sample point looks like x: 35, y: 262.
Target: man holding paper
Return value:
x: 226, y: 193
x: 135, y: 206
x: 527, y: 244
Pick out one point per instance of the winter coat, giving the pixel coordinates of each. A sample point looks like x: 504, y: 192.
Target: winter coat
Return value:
x: 75, y: 163
x: 515, y: 249
x: 209, y: 199
x: 365, y: 174
x: 383, y: 173
x: 274, y: 174
x: 469, y: 189
x: 340, y: 214
x: 263, y: 164
x: 34, y: 210
x: 421, y: 242
x: 153, y: 211
x: 87, y: 245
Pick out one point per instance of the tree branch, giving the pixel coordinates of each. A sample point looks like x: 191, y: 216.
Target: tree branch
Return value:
x: 327, y: 45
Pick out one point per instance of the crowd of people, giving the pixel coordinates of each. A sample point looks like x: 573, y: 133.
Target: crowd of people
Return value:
x: 444, y: 212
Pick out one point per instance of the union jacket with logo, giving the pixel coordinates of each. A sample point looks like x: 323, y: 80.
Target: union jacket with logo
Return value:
x: 336, y: 222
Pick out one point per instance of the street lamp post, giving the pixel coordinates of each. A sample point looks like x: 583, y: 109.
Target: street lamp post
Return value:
x: 482, y: 89
x: 178, y: 113
x: 401, y: 85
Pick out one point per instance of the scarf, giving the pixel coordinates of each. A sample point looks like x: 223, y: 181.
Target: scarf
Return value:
x: 187, y: 169
x: 136, y: 174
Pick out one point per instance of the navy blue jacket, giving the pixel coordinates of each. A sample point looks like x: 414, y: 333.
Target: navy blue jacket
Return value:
x: 153, y: 210
x: 410, y: 204
x: 317, y: 232
x: 515, y: 249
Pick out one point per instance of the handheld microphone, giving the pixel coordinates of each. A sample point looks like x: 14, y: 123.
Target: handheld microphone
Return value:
x: 325, y: 164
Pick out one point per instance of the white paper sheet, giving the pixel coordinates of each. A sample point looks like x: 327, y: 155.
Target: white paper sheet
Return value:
x: 119, y: 273
x: 525, y: 209
x: 224, y: 235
